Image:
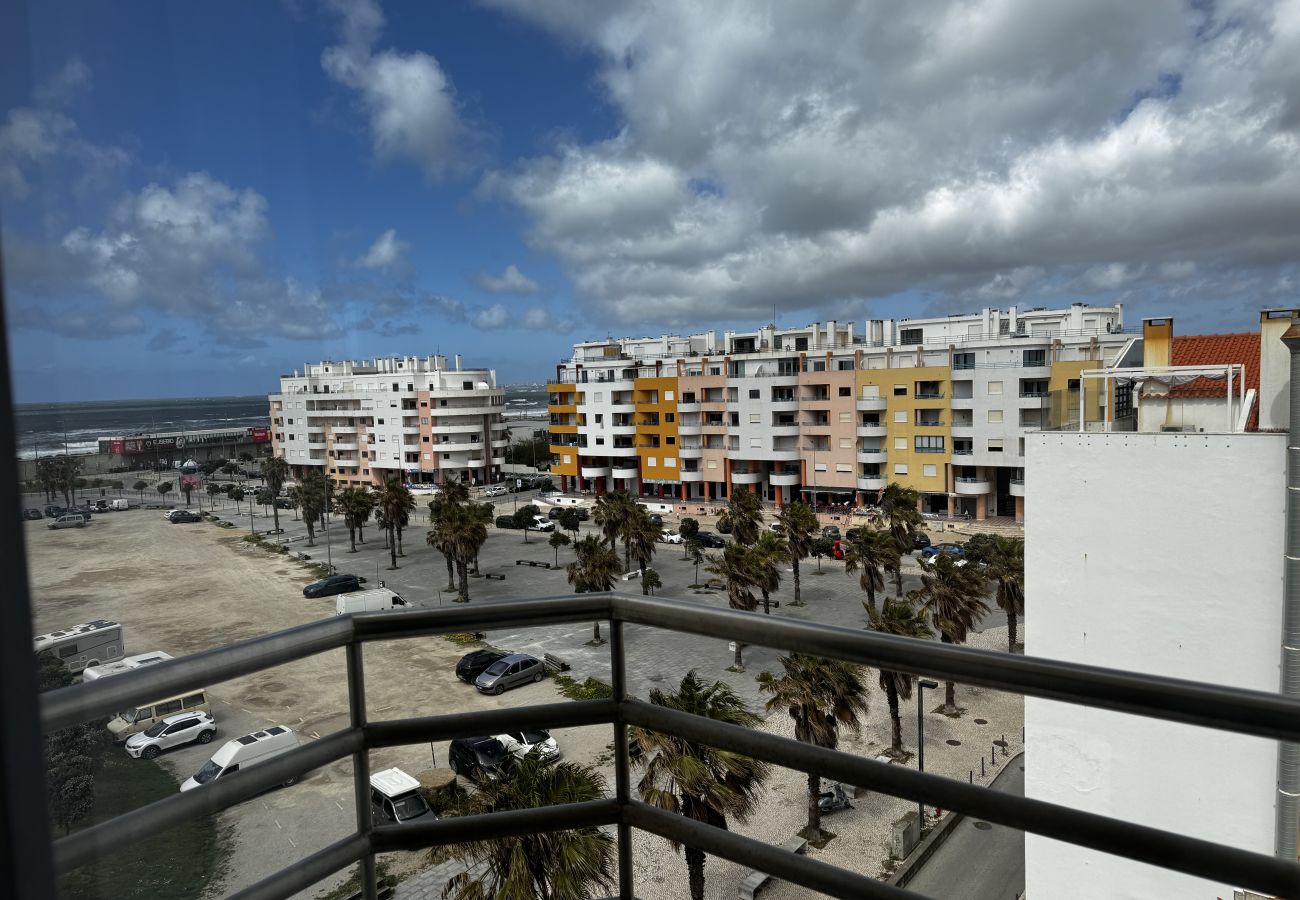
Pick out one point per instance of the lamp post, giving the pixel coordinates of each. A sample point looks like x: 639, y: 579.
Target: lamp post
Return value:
x: 921, y: 685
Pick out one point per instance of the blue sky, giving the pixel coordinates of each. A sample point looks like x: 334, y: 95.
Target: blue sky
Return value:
x: 197, y: 197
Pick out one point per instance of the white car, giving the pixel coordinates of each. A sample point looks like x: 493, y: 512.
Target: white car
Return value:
x: 542, y: 523
x: 182, y: 728
x: 519, y: 743
x: 668, y: 536
x: 496, y: 490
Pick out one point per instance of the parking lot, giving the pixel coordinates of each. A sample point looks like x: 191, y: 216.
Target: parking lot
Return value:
x: 188, y: 587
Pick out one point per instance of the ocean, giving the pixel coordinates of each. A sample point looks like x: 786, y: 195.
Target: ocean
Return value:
x: 46, y: 428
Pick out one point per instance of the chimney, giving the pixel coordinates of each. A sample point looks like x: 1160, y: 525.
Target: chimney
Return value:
x: 1157, y: 342
x: 457, y: 362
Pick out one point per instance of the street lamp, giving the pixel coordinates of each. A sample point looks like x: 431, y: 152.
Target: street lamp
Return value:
x: 921, y: 685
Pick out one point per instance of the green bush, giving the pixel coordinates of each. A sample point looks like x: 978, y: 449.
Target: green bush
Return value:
x: 591, y: 689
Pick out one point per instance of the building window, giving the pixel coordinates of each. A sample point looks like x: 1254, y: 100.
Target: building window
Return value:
x: 1072, y: 384
x: 600, y: 441
x: 929, y: 471
x: 568, y: 458
x: 995, y: 446
x: 381, y: 421
x: 668, y: 395
x: 424, y: 420
x: 900, y: 468
x: 424, y: 438
x: 1035, y: 357
x: 911, y: 335
x: 846, y: 392
x: 843, y: 467
x: 669, y: 462
x: 995, y: 417
x: 963, y: 360
x: 395, y: 387
x: 995, y: 387
x: 670, y: 417
x: 651, y: 462
x: 900, y: 443
x: 755, y: 418
x: 900, y: 415
x: 753, y: 395
x: 464, y: 386
x: 846, y: 418
x: 671, y: 439
x: 756, y: 442
x: 929, y: 443
x: 900, y: 390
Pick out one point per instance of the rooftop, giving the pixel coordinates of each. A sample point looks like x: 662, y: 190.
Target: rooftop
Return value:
x: 1217, y: 349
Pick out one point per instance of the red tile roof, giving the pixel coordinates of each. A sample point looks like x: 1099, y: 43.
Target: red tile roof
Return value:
x: 1217, y: 349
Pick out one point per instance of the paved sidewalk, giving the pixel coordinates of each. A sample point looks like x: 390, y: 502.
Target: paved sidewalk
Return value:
x: 429, y: 884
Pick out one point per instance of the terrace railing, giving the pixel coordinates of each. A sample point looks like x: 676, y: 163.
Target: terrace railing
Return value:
x: 1246, y: 712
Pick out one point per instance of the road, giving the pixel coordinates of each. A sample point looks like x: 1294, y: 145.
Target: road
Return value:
x: 979, y: 860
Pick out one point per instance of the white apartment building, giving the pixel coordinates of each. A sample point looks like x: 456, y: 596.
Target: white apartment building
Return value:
x: 939, y: 404
x: 1157, y: 545
x: 363, y: 421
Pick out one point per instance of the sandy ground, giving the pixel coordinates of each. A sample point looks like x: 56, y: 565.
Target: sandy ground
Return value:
x: 186, y: 588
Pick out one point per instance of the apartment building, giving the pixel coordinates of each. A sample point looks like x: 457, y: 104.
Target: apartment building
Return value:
x: 363, y: 421
x: 941, y: 405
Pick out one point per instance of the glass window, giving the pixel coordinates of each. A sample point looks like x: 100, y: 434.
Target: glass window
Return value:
x: 995, y: 417
x: 166, y: 709
x: 995, y: 446
x: 900, y: 468
x: 900, y: 390
x: 911, y: 335
x: 900, y: 415
x: 70, y: 650
x: 846, y: 392
x: 900, y: 443
x: 929, y: 471
x: 1035, y: 357
x: 995, y: 387
x: 753, y: 395
x: 193, y: 700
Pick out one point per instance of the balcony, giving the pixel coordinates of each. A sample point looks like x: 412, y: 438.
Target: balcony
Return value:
x: 594, y: 471
x: 1264, y: 715
x: 688, y: 407
x: 620, y: 450
x: 874, y: 455
x: 1017, y: 487
x: 691, y: 475
x: 346, y: 463
x: 871, y: 482
x: 686, y: 452
x: 969, y: 487
x: 624, y: 471
x: 345, y: 445
x: 624, y: 430
x: 746, y: 477
x: 872, y: 404
x: 344, y: 429
x: 692, y: 429
x: 783, y: 479
x: 876, y: 429
x: 930, y: 423
x: 963, y: 451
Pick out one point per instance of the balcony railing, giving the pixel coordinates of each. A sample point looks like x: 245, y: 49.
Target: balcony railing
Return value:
x: 1246, y: 712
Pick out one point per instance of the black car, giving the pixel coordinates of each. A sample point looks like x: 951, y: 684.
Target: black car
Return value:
x: 477, y: 757
x: 852, y: 534
x: 33, y: 514
x: 53, y: 512
x: 334, y: 584
x: 184, y: 515
x: 555, y: 511
x: 831, y: 532
x: 710, y: 540
x: 656, y: 520
x: 471, y: 665
x: 921, y: 541
x: 283, y: 503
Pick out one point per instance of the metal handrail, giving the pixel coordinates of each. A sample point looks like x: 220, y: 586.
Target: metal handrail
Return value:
x: 1242, y: 711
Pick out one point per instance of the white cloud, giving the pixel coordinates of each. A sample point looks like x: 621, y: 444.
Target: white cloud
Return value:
x: 494, y: 316
x: 407, y: 97
x: 511, y: 281
x: 812, y: 156
x: 385, y: 252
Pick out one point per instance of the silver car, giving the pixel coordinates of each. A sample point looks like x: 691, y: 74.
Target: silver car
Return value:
x: 182, y: 728
x: 521, y: 743
x: 510, y: 671
x: 75, y: 520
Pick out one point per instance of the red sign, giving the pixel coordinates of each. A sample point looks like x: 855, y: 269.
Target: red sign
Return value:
x: 260, y: 434
x: 116, y: 447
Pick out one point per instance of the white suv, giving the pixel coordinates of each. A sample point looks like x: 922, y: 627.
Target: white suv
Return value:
x: 496, y: 490
x: 182, y: 728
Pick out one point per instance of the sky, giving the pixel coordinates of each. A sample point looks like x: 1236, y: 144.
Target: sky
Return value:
x: 198, y: 197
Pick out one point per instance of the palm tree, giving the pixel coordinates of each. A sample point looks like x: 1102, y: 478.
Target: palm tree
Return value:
x: 465, y: 533
x: 1004, y: 565
x: 351, y: 501
x: 313, y: 498
x: 454, y: 493
x: 557, y: 540
x: 735, y: 566
x: 899, y: 504
x: 549, y: 865
x: 395, y: 502
x: 365, y: 506
x: 770, y: 550
x: 897, y: 617
x: 693, y: 779
x: 295, y: 499
x: 642, y: 538
x: 743, y: 517
x: 952, y: 594
x: 612, y: 513
x: 275, y: 471
x: 799, y: 523
x: 820, y: 695
x: 872, y: 552
x: 595, y: 569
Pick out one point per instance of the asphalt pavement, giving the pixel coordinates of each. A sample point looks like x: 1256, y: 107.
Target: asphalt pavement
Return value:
x: 979, y: 860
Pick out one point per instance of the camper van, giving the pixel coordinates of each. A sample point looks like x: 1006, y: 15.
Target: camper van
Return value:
x: 377, y: 600
x: 82, y: 646
x: 146, y: 715
x: 243, y: 753
x: 125, y: 664
x: 395, y: 797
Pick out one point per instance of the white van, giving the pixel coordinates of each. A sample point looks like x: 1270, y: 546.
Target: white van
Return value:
x: 118, y: 505
x: 245, y: 752
x: 395, y: 797
x: 376, y: 600
x: 125, y: 664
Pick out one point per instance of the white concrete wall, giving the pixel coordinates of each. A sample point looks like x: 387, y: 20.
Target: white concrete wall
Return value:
x: 1157, y: 553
